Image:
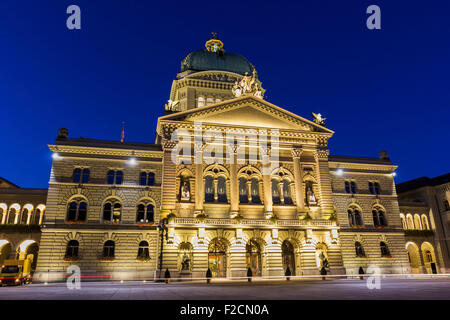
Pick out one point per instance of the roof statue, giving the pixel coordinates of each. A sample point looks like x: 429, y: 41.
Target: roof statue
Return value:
x: 247, y: 85
x: 318, y: 119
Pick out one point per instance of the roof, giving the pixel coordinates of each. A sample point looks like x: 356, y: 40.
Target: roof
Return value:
x: 88, y: 142
x: 422, y: 182
x: 203, y: 60
x: 5, y: 184
x: 352, y: 159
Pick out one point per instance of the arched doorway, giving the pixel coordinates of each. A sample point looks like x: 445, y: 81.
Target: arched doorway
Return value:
x: 288, y: 256
x: 253, y: 256
x: 414, y: 257
x: 217, y: 258
x: 429, y: 257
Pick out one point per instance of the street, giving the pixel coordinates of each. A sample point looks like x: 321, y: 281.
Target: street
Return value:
x: 347, y: 289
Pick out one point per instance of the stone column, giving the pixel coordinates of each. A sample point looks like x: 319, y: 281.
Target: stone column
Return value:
x: 324, y: 182
x: 199, y: 184
x: 281, y: 191
x: 234, y: 184
x: 249, y: 191
x: 168, y: 185
x: 216, y: 194
x: 296, y: 153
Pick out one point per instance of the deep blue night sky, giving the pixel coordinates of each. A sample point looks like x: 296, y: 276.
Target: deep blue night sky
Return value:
x: 379, y: 89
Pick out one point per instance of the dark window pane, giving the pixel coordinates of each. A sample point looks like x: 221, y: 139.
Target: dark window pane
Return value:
x: 151, y: 178
x: 143, y: 179
x: 111, y: 177
x: 150, y: 213
x: 86, y: 173
x: 76, y: 175
x: 377, y: 188
x: 107, y: 212
x: 243, y: 197
x: 119, y: 177
x: 72, y: 211
x: 372, y: 191
x: 82, y: 211
x: 347, y: 187
x: 376, y: 221
x: 353, y: 186
x: 140, y: 213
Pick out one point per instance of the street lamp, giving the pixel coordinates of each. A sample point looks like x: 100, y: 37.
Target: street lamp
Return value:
x: 163, y: 232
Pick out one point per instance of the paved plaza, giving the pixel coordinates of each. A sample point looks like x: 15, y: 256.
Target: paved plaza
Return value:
x: 316, y: 289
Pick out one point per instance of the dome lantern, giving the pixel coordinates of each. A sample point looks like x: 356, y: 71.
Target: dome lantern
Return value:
x: 214, y: 44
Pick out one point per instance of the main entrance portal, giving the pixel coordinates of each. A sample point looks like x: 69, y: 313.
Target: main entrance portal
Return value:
x: 217, y: 258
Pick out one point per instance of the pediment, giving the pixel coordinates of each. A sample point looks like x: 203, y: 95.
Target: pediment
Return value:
x: 248, y: 111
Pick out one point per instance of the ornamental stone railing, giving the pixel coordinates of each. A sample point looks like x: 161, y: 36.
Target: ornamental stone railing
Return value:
x: 254, y: 222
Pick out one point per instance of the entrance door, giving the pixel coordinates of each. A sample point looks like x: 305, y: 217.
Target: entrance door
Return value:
x: 217, y: 264
x: 254, y: 257
x: 288, y: 256
x: 217, y: 259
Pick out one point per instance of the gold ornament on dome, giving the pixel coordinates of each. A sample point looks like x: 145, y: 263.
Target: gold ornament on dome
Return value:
x: 247, y: 86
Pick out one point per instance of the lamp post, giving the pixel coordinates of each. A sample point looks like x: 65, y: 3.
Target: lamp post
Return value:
x: 163, y: 231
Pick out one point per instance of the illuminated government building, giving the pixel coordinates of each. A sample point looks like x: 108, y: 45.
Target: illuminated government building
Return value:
x: 107, y: 200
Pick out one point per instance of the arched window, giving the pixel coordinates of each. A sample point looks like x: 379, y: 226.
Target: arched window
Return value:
x: 77, y: 175
x: 379, y: 217
x: 410, y: 222
x: 425, y: 224
x: 72, y: 249
x: 275, y: 192
x: 243, y: 197
x: 209, y: 189
x: 143, y: 251
x: 151, y: 179
x: 287, y: 192
x: 24, y: 218
x: 359, y: 250
x: 143, y: 178
x: 108, y: 249
x: 255, y: 191
x: 86, y: 173
x: 112, y: 211
x: 354, y: 216
x: 145, y: 213
x: 2, y: 214
x: 371, y: 188
x: 384, y: 249
x: 402, y: 218
x: 417, y: 222
x: 12, y: 216
x: 77, y: 211
x: 221, y: 189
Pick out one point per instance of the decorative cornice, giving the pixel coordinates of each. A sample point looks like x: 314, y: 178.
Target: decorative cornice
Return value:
x: 104, y: 151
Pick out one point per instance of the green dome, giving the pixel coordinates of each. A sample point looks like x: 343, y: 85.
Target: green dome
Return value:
x: 202, y: 60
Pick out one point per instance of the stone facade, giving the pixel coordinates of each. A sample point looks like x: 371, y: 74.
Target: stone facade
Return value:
x: 238, y: 183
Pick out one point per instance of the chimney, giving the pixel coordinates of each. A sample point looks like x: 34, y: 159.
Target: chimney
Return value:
x: 63, y: 133
x: 383, y: 155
